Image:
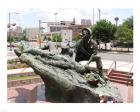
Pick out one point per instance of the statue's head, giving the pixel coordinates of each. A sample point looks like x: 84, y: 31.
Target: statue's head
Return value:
x: 86, y: 32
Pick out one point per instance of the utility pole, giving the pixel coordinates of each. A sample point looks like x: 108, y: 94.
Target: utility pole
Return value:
x: 39, y: 35
x: 56, y: 26
x: 93, y: 16
x: 55, y: 20
x: 99, y: 14
x: 99, y: 20
x: 9, y: 26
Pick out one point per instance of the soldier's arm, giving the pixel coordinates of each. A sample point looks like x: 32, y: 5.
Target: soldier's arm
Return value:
x: 94, y: 54
x: 90, y: 59
x: 83, y: 50
x: 74, y: 56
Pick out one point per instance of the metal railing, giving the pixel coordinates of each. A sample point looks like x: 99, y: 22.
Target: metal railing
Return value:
x: 131, y: 79
x: 112, y: 66
x: 130, y: 71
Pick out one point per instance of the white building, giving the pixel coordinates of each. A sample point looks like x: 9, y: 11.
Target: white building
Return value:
x: 58, y: 26
x: 86, y: 22
x: 31, y: 33
x: 66, y: 35
x: 55, y: 26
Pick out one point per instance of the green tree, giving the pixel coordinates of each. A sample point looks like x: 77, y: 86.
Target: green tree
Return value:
x: 24, y: 38
x: 125, y: 33
x: 76, y: 38
x: 104, y: 31
x: 57, y: 38
x: 128, y: 23
x: 45, y: 38
x: 49, y: 39
x: 10, y: 39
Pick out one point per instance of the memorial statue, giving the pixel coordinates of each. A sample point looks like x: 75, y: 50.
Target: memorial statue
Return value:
x: 86, y: 49
x: 66, y: 80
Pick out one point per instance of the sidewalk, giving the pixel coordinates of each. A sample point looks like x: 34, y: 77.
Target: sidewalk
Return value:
x: 30, y: 93
x: 116, y: 52
x: 19, y: 71
x: 125, y: 91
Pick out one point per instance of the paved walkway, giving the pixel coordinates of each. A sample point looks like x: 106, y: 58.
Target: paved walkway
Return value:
x: 18, y: 71
x: 26, y: 94
x: 115, y: 52
x: 125, y: 91
x: 35, y: 93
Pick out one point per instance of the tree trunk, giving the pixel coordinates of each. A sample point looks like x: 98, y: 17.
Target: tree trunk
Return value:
x: 128, y: 48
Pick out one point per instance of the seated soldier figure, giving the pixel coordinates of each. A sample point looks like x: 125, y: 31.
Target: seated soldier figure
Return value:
x: 86, y: 49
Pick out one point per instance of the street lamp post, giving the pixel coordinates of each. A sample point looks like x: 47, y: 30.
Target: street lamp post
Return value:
x: 99, y: 20
x: 39, y: 35
x: 9, y: 26
x: 56, y: 26
x: 93, y: 16
x: 10, y: 33
x: 55, y: 21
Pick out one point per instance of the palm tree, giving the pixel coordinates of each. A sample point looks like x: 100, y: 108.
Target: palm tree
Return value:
x: 116, y: 19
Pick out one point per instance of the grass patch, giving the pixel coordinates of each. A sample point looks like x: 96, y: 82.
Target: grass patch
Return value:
x: 10, y: 78
x: 15, y: 64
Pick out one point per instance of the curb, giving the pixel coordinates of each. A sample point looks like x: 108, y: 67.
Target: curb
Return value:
x: 117, y: 53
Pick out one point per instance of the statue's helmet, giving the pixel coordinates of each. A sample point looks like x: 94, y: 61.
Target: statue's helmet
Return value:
x: 86, y: 31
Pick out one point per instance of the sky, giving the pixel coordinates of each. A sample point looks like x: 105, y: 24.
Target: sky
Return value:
x: 30, y: 17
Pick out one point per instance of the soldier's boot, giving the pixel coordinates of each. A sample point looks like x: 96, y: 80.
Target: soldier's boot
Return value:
x: 102, y: 75
x: 99, y: 67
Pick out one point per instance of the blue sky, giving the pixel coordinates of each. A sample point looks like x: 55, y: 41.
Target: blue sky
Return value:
x: 30, y: 17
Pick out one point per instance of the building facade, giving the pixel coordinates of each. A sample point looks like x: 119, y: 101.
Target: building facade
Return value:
x: 55, y: 26
x: 68, y: 28
x: 77, y: 29
x: 58, y: 26
x: 31, y: 33
x: 86, y: 22
x: 66, y: 35
x: 17, y: 33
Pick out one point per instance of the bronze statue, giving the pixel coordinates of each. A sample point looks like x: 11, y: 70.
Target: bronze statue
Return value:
x: 66, y: 80
x: 86, y: 49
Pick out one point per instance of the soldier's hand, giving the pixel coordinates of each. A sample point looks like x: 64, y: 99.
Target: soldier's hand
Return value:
x: 87, y: 66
